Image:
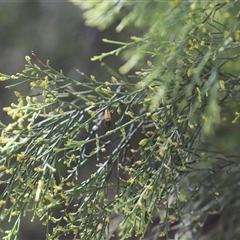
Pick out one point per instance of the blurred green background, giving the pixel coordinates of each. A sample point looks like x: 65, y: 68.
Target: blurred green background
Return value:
x: 55, y: 30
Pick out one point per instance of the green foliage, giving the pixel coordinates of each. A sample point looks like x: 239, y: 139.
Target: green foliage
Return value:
x: 165, y: 153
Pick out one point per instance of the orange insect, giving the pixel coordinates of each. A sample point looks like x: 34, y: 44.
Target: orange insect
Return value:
x: 107, y: 118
